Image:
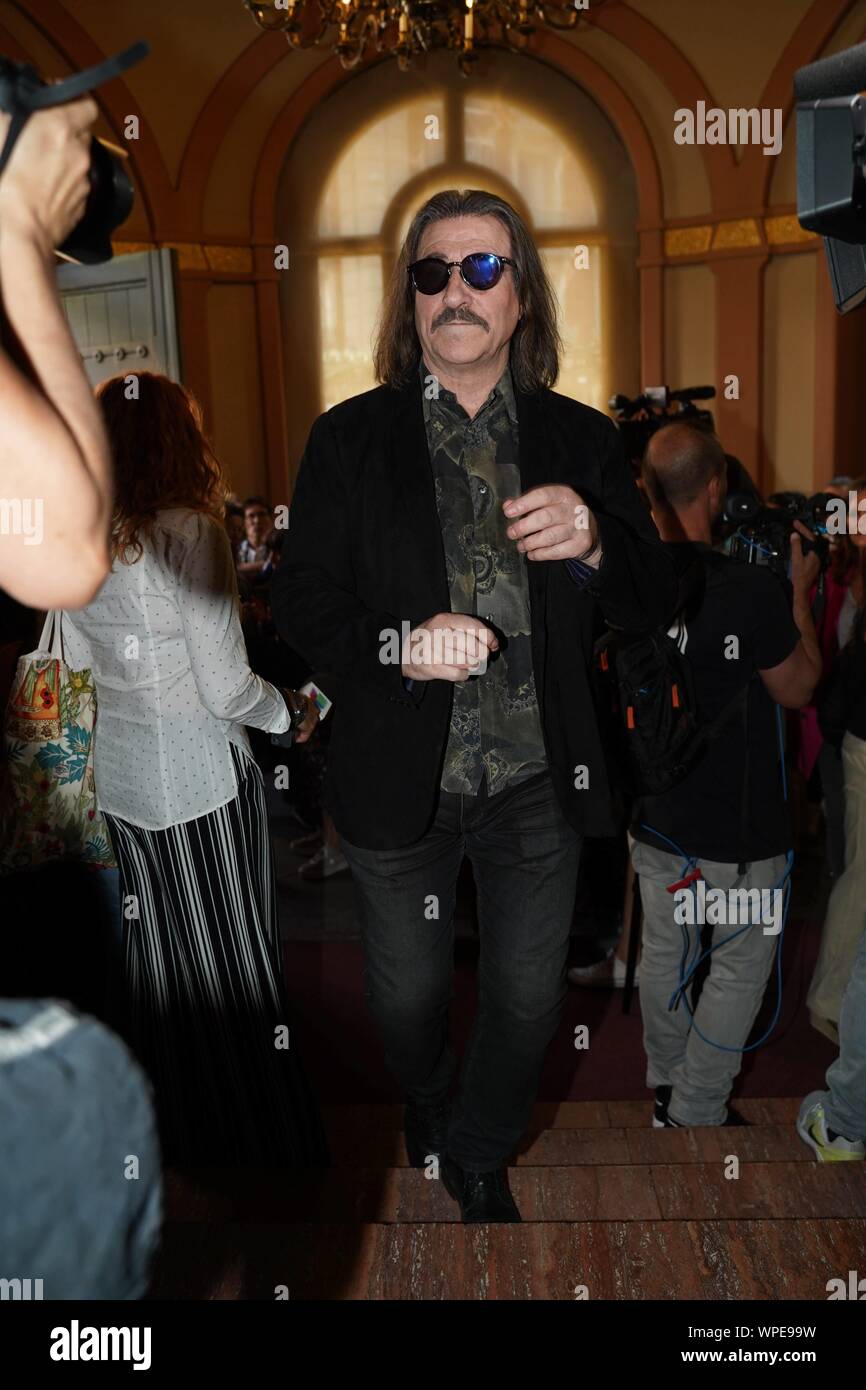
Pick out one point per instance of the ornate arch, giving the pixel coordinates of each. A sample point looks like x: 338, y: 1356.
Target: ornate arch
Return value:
x: 546, y: 47
x: 214, y: 120
x: 638, y: 34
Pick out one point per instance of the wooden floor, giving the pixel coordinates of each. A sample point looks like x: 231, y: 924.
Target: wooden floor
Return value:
x: 612, y: 1209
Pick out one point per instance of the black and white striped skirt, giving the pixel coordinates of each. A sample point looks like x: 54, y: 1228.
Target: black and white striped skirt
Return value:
x: 205, y: 1001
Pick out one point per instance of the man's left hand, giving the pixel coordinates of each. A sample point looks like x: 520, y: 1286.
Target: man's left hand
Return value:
x: 553, y: 523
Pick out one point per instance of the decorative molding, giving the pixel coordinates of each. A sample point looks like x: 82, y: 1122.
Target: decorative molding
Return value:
x: 196, y: 256
x: 734, y: 235
x: 688, y: 241
x: 785, y: 230
x: 190, y: 254
x: 779, y: 231
x: 235, y: 260
x: 702, y: 240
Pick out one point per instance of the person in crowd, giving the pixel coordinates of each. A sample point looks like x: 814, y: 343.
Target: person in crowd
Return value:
x: 326, y: 858
x: 855, y: 591
x: 815, y: 770
x: 610, y: 970
x: 255, y: 551
x: 184, y: 800
x: 843, y: 722
x: 843, y: 597
x: 234, y: 522
x: 833, y: 1122
x: 454, y: 535
x: 726, y: 821
x: 55, y: 468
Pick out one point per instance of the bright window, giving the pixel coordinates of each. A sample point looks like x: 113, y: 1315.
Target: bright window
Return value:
x: 459, y: 137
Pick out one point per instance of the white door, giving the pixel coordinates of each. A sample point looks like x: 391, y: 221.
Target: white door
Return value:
x: 122, y: 314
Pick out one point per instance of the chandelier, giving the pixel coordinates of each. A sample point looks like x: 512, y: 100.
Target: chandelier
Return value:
x: 409, y: 28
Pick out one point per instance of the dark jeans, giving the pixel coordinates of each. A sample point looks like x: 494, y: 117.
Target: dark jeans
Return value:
x: 524, y: 857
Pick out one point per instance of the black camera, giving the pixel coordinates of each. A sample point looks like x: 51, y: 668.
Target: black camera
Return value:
x: 763, y: 533
x: 23, y: 92
x: 638, y: 419
x: 831, y: 166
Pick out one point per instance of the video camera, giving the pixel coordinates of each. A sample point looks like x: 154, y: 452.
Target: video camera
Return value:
x: 831, y: 166
x: 763, y: 534
x: 638, y: 419
x: 109, y: 203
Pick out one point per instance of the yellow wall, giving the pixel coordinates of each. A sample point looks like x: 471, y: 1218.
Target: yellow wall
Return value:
x: 789, y: 369
x: 237, y: 395
x: 690, y: 355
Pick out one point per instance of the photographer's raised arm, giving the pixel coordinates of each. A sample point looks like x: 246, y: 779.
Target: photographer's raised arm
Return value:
x: 55, y: 468
x: 792, y: 682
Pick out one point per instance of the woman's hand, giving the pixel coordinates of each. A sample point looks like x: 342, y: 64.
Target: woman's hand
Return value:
x: 303, y: 731
x: 45, y: 185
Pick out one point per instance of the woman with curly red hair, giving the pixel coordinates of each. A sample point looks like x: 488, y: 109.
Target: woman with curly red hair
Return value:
x: 184, y: 800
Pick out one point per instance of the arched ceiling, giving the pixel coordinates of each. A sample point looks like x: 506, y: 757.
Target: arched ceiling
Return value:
x: 218, y: 99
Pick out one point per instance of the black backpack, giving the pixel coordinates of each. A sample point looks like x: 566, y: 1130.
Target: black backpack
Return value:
x: 646, y: 691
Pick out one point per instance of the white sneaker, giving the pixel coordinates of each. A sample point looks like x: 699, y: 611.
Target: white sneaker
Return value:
x: 324, y: 864
x: 608, y: 973
x: 812, y: 1129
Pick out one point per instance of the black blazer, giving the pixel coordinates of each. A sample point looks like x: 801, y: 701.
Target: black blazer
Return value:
x: 364, y: 552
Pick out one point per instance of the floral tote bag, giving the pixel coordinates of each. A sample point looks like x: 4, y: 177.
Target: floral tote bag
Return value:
x: 49, y: 806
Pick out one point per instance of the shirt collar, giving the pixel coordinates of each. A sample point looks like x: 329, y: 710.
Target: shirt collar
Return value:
x: 504, y: 388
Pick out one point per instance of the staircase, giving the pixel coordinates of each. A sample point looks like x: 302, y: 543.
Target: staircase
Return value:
x: 612, y: 1209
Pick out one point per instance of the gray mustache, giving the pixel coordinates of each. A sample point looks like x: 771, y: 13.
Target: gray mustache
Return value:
x: 454, y: 316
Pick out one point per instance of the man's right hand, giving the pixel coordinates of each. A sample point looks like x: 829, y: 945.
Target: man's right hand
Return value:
x: 448, y: 647
x: 45, y: 185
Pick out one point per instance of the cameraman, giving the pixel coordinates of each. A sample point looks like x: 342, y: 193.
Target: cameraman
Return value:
x: 728, y: 815
x: 54, y: 460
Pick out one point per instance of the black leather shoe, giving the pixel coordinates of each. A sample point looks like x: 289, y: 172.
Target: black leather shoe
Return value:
x: 426, y: 1131
x: 735, y: 1118
x: 481, y: 1196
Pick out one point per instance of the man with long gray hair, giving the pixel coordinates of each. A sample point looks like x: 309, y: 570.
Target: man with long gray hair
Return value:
x: 455, y: 536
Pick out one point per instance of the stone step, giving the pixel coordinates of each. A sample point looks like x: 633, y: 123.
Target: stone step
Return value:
x: 384, y: 1148
x: 624, y: 1192
x: 707, y: 1260
x: 581, y: 1114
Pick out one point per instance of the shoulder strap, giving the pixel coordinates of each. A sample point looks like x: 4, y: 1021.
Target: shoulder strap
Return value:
x: 744, y: 795
x: 51, y: 639
x: 24, y: 92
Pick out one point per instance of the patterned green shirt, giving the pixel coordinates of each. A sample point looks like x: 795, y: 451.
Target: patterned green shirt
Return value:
x: 495, y: 723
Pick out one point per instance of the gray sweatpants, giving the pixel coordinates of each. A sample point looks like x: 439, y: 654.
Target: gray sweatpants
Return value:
x: 701, y: 1074
x: 844, y: 925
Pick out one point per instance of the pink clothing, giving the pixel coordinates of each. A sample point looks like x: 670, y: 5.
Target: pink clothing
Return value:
x: 804, y: 725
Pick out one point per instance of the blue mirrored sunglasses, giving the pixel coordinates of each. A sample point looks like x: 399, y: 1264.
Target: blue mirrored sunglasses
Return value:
x: 481, y: 271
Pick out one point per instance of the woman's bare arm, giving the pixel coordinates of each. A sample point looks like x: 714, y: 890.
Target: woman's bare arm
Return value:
x: 55, y: 471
